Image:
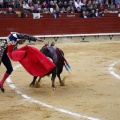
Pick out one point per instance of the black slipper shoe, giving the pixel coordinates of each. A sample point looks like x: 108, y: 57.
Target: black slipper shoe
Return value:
x: 2, y: 89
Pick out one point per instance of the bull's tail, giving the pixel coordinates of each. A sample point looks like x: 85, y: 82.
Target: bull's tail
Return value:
x: 66, y: 64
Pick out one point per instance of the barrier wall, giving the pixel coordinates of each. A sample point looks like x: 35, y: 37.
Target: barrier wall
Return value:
x: 51, y: 26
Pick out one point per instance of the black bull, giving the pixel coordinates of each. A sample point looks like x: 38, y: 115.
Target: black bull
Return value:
x: 56, y: 55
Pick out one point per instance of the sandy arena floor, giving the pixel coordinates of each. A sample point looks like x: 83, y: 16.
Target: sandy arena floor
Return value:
x: 90, y: 91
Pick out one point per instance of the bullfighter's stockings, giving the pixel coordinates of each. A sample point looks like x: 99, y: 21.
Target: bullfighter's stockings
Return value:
x: 6, y: 75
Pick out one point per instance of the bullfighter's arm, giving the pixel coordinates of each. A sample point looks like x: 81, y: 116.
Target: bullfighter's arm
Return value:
x: 27, y: 37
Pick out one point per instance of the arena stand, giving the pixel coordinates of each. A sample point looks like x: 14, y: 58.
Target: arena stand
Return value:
x: 63, y: 27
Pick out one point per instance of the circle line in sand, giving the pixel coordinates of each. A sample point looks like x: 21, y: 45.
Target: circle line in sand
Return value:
x: 112, y: 70
x: 30, y: 99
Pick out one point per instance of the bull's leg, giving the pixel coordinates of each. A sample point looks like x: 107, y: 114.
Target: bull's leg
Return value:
x: 37, y: 84
x: 53, y: 78
x: 61, y: 82
x: 33, y: 82
x: 53, y: 85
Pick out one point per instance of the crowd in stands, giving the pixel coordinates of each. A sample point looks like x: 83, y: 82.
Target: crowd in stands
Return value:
x: 88, y: 8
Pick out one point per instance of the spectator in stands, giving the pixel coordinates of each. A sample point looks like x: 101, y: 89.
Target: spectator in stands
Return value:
x: 65, y: 4
x: 105, y: 11
x: 60, y: 4
x: 89, y: 6
x: 92, y: 14
x: 51, y: 6
x: 33, y: 10
x: 63, y: 10
x: 119, y: 12
x: 19, y: 3
x: 10, y: 11
x: 15, y: 4
x: 25, y: 5
x: 68, y: 9
x: 30, y: 3
x: 112, y: 5
x: 72, y: 9
x: 106, y: 5
x: 118, y: 5
x: 1, y: 12
x: 44, y: 5
x: 7, y: 3
x: 84, y: 14
x: 70, y: 3
x: 97, y: 13
x: 95, y: 5
x: 45, y: 10
x: 100, y: 5
x: 78, y: 10
x: 2, y: 4
x: 38, y: 6
x: 87, y: 14
x: 78, y: 4
x: 56, y: 13
x: 56, y: 5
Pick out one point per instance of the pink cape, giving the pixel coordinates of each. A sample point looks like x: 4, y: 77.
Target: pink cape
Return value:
x: 34, y: 61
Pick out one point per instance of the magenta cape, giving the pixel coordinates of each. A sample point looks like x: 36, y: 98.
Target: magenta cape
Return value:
x: 34, y: 61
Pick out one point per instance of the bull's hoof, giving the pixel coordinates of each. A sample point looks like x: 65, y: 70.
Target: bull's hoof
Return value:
x: 31, y: 85
x: 53, y: 88
x: 62, y: 84
x: 37, y: 85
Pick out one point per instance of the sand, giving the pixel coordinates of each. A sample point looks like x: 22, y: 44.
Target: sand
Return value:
x: 90, y: 90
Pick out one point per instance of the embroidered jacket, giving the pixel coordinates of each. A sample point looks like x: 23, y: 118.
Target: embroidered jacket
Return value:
x: 12, y: 39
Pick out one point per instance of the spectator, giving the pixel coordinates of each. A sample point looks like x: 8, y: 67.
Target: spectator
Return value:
x: 105, y: 11
x: 70, y: 3
x: 118, y: 5
x: 56, y: 12
x: 97, y: 13
x: 78, y: 10
x: 92, y: 14
x: 33, y: 10
x: 38, y: 6
x: 84, y: 14
x: 2, y: 4
x: 87, y: 14
x: 10, y: 11
x: 68, y: 10
x: 51, y: 6
x: 78, y: 3
x: 72, y: 9
x: 84, y: 7
x: 45, y: 10
x: 1, y: 12
x: 63, y: 10
x: 60, y: 4
x: 44, y: 5
x: 25, y: 5
x: 15, y: 4
x: 100, y: 5
x: 56, y: 5
x: 65, y: 4
x: 30, y: 3
x: 118, y: 12
x: 89, y: 6
x: 106, y: 5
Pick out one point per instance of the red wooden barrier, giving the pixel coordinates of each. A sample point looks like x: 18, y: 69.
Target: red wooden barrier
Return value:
x: 8, y: 15
x: 64, y: 15
x: 53, y: 26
